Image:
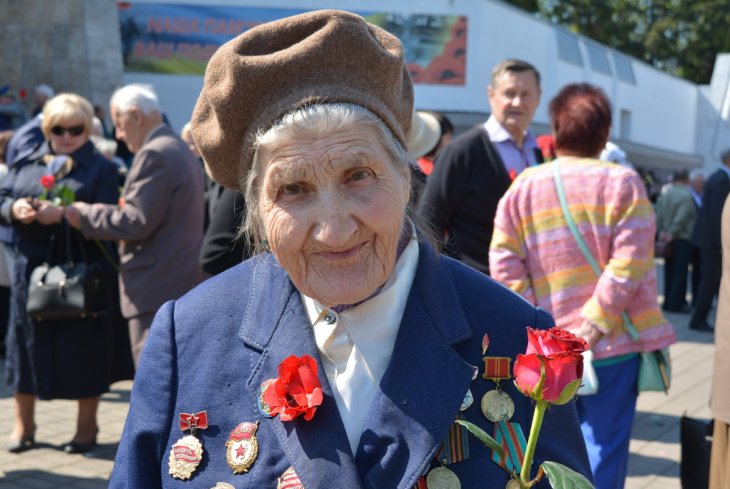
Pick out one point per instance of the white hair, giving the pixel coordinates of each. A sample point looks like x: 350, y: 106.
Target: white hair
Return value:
x: 107, y: 147
x: 44, y: 90
x: 136, y: 95
x: 696, y: 174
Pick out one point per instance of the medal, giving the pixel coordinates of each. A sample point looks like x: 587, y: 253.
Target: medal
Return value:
x: 222, y: 485
x: 442, y: 478
x: 467, y: 402
x: 187, y: 452
x: 264, y: 408
x: 455, y: 447
x: 497, y: 406
x: 242, y: 447
x: 512, y: 439
x: 496, y: 368
x: 185, y: 456
x: 289, y: 480
x: 512, y: 484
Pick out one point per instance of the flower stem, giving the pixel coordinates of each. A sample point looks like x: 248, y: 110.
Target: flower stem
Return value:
x: 532, y: 442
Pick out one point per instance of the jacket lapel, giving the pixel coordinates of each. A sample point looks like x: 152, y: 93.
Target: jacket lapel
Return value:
x: 424, y: 384
x: 276, y: 324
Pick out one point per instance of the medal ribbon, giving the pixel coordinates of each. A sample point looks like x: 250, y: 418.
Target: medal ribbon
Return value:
x: 198, y: 421
x: 421, y: 483
x: 496, y: 368
x: 512, y: 439
x: 456, y: 445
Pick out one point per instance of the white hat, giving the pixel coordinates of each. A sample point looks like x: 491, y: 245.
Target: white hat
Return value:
x: 613, y: 153
x: 44, y: 89
x: 424, y: 134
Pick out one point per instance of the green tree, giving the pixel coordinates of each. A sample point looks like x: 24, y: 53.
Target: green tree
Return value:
x: 677, y: 36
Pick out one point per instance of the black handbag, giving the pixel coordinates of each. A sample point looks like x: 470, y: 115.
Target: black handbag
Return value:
x: 69, y: 290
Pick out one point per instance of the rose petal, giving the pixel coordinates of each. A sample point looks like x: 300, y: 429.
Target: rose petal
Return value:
x: 560, y: 371
x: 527, y: 371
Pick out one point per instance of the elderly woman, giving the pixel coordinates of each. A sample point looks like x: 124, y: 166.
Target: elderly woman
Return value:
x: 64, y: 359
x: 534, y: 253
x: 341, y: 354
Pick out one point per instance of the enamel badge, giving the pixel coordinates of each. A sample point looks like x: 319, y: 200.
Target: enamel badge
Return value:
x: 242, y: 447
x: 187, y: 452
x: 289, y: 480
x: 185, y: 456
x: 264, y: 408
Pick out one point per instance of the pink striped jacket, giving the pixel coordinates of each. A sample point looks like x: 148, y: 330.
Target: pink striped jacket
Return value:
x: 534, y: 253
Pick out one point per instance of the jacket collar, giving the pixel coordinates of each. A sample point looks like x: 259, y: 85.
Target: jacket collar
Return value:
x: 405, y: 425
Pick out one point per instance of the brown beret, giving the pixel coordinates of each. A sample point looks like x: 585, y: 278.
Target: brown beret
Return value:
x: 324, y: 56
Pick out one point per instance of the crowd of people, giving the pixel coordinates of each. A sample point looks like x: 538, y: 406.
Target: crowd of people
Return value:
x: 341, y: 194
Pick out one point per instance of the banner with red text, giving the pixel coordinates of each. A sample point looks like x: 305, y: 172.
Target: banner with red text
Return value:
x: 180, y: 39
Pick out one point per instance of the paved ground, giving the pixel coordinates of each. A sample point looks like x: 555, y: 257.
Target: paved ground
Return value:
x: 655, y: 450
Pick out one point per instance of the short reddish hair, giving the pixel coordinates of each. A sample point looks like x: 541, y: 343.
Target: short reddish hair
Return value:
x: 580, y: 116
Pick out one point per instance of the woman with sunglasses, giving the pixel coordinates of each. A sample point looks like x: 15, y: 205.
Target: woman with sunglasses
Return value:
x: 70, y: 359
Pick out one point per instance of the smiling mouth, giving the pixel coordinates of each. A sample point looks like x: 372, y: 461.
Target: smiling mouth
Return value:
x: 342, y: 254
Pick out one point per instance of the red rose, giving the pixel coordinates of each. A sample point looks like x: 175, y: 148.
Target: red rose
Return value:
x: 297, y: 391
x: 554, y: 340
x: 552, y: 368
x: 48, y: 182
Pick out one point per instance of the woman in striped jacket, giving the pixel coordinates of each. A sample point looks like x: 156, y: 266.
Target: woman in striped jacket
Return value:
x: 533, y: 252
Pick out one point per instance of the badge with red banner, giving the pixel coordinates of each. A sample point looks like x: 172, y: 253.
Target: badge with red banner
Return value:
x: 289, y: 480
x: 496, y: 368
x: 187, y: 452
x: 242, y: 447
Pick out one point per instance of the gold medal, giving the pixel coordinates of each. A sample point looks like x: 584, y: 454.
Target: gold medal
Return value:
x: 442, y: 478
x: 242, y: 447
x: 185, y: 456
x: 513, y: 484
x: 497, y: 406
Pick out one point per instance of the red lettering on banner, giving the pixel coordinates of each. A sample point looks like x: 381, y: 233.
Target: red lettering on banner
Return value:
x: 173, y: 25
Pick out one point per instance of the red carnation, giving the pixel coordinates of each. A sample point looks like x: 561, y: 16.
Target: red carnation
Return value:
x: 48, y: 182
x: 297, y: 391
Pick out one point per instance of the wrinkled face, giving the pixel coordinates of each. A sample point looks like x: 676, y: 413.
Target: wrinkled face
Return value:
x: 129, y: 127
x: 514, y: 98
x: 65, y: 137
x: 333, y: 207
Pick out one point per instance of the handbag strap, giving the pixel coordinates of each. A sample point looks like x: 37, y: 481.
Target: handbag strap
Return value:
x: 581, y: 242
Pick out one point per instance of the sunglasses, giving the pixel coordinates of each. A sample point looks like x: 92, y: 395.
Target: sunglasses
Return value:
x: 72, y: 131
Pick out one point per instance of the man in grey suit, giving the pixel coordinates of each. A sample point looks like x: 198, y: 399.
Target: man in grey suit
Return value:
x: 159, y: 219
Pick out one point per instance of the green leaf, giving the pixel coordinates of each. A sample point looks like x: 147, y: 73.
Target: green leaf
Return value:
x: 482, y: 435
x: 568, y: 393
x: 561, y: 477
x: 66, y: 195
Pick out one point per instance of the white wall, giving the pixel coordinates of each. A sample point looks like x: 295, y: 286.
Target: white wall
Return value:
x: 664, y: 109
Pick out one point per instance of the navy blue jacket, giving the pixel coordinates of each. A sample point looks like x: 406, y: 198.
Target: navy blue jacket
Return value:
x: 212, y: 349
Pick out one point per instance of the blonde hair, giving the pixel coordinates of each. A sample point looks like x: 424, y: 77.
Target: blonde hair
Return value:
x: 65, y: 108
x: 186, y: 133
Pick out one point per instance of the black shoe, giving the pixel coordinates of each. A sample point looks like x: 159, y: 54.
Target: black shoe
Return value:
x: 77, y: 447
x: 703, y: 326
x: 18, y: 446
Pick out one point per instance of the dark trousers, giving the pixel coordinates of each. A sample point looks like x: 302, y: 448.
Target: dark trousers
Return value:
x: 139, y: 326
x: 4, y: 314
x: 696, y: 273
x: 676, y: 269
x: 709, y: 287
